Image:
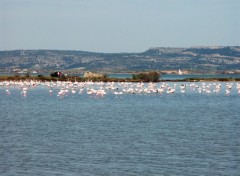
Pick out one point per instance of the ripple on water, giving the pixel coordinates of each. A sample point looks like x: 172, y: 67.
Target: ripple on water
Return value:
x: 150, y: 134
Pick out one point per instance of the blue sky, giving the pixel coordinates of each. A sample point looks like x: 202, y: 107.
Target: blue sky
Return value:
x: 118, y: 25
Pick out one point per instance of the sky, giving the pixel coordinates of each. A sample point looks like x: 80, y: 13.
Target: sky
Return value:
x: 118, y: 25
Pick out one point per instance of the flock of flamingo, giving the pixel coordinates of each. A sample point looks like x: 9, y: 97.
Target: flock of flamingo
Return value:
x: 63, y: 88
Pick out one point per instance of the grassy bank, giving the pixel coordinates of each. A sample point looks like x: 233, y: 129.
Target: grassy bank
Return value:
x: 67, y: 78
x: 106, y: 79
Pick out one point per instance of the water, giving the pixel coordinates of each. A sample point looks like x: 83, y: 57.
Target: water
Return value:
x: 177, y: 77
x: 181, y: 77
x: 131, y: 134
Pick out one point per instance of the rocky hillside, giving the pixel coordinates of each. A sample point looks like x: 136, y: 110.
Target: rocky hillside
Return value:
x: 194, y: 58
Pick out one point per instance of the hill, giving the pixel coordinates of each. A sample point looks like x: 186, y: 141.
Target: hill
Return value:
x: 159, y: 58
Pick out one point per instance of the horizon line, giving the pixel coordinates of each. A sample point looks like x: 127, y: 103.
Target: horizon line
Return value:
x: 207, y: 46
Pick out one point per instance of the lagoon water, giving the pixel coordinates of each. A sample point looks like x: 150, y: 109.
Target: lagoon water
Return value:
x: 130, y: 134
x: 175, y: 76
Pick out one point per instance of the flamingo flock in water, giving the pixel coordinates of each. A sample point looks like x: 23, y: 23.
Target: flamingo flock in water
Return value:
x: 63, y: 88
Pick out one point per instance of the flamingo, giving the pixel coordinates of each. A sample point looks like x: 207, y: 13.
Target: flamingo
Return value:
x: 8, y: 92
x: 227, y: 91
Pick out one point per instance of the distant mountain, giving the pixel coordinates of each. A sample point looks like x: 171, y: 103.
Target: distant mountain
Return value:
x: 160, y: 58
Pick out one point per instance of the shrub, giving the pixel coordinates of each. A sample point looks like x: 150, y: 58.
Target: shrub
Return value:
x: 16, y: 75
x: 40, y: 76
x: 105, y: 75
x: 27, y: 75
x: 147, y: 77
x: 224, y: 79
x: 57, y: 74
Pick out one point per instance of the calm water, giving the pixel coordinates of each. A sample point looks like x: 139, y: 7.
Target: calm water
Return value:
x: 130, y: 134
x: 178, y: 77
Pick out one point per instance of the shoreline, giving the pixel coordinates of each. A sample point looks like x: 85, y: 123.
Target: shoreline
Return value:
x: 109, y: 79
